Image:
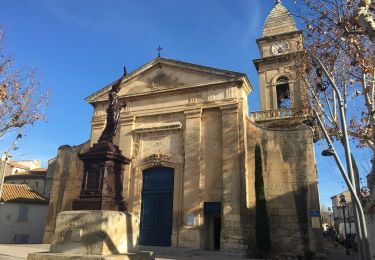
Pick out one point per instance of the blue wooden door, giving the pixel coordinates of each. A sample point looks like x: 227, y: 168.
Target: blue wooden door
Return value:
x: 157, y: 207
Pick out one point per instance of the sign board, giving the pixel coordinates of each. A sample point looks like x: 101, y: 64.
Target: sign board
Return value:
x: 314, y: 213
x: 190, y: 220
x: 315, y: 222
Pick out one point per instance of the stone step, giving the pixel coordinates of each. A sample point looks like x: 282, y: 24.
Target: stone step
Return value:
x: 188, y: 252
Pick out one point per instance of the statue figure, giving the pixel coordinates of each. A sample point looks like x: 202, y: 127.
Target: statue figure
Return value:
x: 113, y: 114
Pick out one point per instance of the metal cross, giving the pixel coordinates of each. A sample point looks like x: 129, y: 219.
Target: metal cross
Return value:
x: 159, y: 49
x: 278, y: 1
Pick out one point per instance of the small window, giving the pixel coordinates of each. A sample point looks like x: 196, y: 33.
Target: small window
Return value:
x: 22, y: 214
x: 283, y: 93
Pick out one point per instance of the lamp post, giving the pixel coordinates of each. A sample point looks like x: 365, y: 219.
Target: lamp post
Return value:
x: 343, y: 206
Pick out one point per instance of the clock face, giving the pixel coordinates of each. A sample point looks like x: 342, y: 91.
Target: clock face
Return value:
x: 280, y: 47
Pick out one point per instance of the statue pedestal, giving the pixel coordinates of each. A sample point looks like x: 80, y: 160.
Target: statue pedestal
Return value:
x: 94, y: 234
x: 102, y: 179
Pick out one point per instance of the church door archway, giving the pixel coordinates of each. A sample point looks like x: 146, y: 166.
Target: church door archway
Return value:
x: 157, y: 207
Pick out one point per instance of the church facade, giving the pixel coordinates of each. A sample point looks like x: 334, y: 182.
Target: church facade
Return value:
x: 201, y: 166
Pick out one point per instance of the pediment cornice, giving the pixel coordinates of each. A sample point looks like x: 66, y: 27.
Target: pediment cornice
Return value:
x: 162, y: 81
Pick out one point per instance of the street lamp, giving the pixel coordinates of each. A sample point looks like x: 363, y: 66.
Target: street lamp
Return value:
x: 322, y: 86
x: 328, y: 152
x: 343, y: 206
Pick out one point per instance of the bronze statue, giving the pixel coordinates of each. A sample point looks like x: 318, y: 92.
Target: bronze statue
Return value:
x: 113, y: 114
x: 103, y: 164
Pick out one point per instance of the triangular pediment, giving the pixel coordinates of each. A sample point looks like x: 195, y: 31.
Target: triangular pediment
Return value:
x: 165, y: 74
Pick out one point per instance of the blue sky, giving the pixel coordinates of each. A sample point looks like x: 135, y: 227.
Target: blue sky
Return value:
x: 79, y: 46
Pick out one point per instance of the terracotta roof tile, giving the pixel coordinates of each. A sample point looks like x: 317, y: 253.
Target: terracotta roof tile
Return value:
x: 21, y: 193
x: 38, y: 170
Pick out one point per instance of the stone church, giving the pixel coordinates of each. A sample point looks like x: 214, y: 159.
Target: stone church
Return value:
x: 201, y: 165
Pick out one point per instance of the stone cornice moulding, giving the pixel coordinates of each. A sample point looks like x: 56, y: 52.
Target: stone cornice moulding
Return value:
x: 155, y: 63
x: 230, y: 108
x: 285, y: 58
x: 193, y: 113
x: 176, y: 126
x: 181, y: 108
x: 172, y: 91
x: 95, y: 124
x: 280, y: 36
x: 127, y: 120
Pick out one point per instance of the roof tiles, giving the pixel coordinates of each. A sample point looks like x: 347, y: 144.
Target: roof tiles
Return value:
x: 280, y: 20
x: 21, y: 193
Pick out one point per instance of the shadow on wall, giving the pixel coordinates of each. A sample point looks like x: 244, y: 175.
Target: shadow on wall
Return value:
x: 290, y: 231
x: 66, y: 185
x: 290, y: 191
x: 94, y: 240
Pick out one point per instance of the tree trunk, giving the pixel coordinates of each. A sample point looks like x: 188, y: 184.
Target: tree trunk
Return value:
x: 364, y: 18
x: 355, y: 171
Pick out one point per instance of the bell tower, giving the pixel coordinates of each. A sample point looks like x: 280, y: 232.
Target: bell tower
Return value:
x: 280, y: 84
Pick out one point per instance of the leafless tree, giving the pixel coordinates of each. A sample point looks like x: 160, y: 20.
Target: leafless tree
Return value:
x: 22, y: 99
x: 341, y: 34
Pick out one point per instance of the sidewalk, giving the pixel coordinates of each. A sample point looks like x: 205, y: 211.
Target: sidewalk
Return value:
x: 336, y: 251
x: 12, y: 252
x: 17, y: 252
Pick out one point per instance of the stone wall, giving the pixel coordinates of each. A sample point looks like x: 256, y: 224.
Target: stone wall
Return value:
x: 67, y: 179
x: 290, y: 180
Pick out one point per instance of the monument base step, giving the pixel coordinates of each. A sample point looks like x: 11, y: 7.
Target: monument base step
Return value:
x: 139, y: 255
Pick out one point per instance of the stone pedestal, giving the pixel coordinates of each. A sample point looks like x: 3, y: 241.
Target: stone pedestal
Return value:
x: 102, y: 179
x: 94, y: 234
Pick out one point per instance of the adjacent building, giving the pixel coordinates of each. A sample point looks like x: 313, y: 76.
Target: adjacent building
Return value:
x: 343, y: 217
x: 14, y: 167
x: 23, y: 214
x: 34, y: 179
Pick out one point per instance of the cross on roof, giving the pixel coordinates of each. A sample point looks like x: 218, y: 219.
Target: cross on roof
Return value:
x: 159, y: 49
x: 278, y: 1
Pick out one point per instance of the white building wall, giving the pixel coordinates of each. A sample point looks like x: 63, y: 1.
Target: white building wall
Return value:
x: 33, y: 226
x: 32, y: 164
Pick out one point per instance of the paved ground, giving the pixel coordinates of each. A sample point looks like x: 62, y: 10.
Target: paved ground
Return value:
x: 335, y: 251
x: 20, y: 251
x: 13, y: 252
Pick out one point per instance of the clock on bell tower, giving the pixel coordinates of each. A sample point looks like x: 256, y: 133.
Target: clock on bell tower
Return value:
x: 280, y: 85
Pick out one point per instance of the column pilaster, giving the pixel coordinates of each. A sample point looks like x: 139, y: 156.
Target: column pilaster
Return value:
x: 231, y: 231
x: 127, y: 125
x: 190, y: 235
